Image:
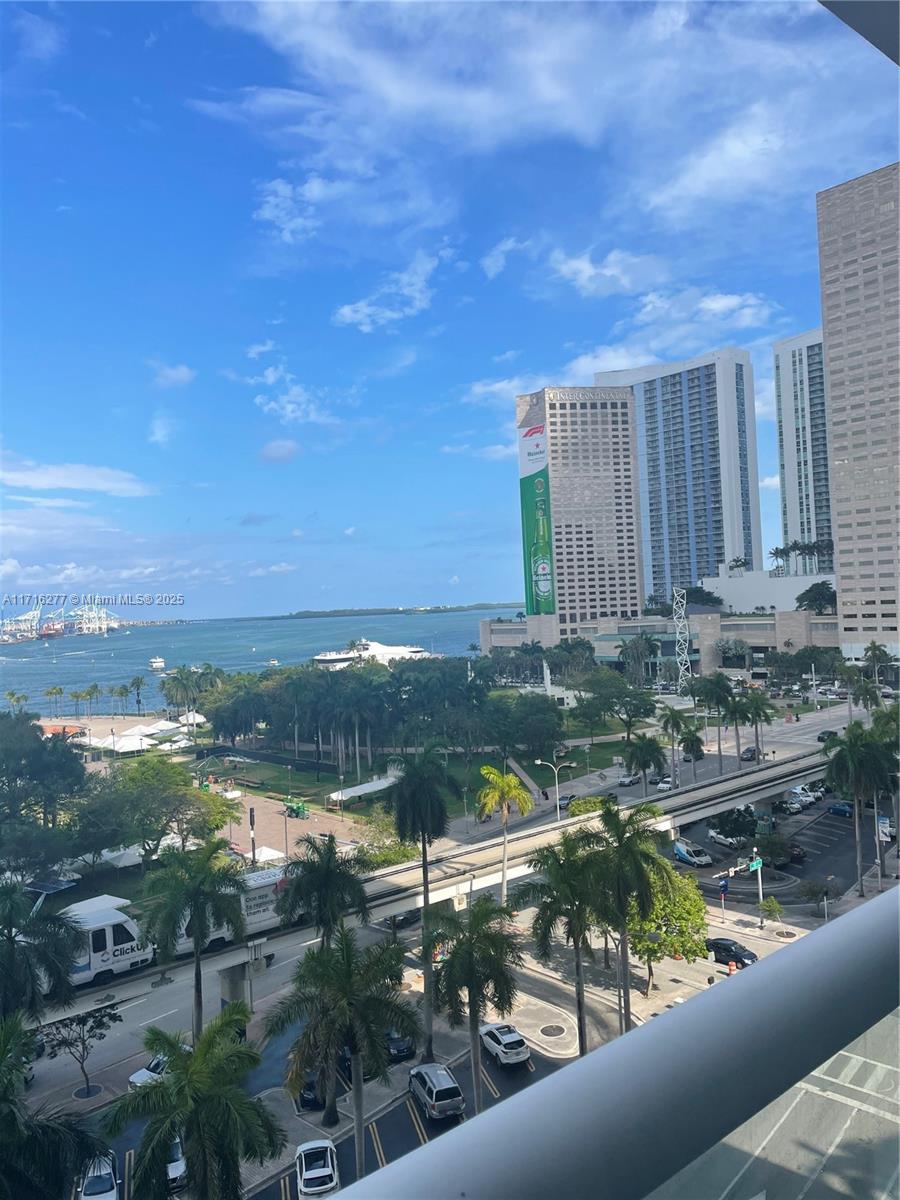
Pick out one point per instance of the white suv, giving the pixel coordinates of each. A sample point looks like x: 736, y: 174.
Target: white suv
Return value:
x: 722, y: 839
x: 437, y: 1092
x: 504, y: 1042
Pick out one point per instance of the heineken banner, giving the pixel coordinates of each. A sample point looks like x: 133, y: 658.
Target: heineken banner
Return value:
x: 534, y: 484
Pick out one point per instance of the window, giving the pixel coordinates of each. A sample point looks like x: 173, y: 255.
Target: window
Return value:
x: 122, y: 935
x: 98, y: 941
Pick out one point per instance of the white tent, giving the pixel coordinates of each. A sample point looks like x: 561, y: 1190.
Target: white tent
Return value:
x: 265, y: 854
x: 162, y: 727
x: 364, y: 789
x: 131, y: 745
x: 137, y: 731
x: 192, y: 718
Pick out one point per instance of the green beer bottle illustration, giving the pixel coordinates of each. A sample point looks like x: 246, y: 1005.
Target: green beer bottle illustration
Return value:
x: 541, y: 564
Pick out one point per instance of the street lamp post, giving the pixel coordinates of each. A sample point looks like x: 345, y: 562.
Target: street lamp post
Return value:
x: 289, y: 780
x: 287, y: 852
x: 539, y: 762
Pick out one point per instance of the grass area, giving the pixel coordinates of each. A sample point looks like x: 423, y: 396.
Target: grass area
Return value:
x: 276, y: 780
x: 574, y: 727
x: 599, y: 758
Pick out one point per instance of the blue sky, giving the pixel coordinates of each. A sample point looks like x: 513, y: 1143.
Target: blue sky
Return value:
x: 275, y: 273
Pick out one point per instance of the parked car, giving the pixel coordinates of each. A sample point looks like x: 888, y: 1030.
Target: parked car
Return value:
x: 656, y: 777
x: 628, y: 780
x: 565, y: 801
x: 308, y: 1096
x: 691, y: 757
x: 664, y: 785
x: 436, y: 1091
x: 345, y: 1067
x: 317, y: 1168
x: 749, y: 754
x: 726, y: 950
x: 825, y: 734
x: 723, y: 839
x: 411, y: 916
x: 793, y: 805
x: 840, y: 809
x: 176, y: 1166
x: 690, y: 853
x: 101, y: 1180
x: 798, y: 854
x: 399, y: 1047
x: 155, y: 1069
x: 504, y: 1043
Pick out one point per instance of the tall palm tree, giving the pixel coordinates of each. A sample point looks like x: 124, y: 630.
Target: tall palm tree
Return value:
x: 483, y: 952
x: 181, y: 688
x: 348, y: 997
x: 644, y: 753
x: 692, y: 745
x: 860, y: 765
x: 628, y: 865
x: 778, y: 554
x: 673, y: 721
x: 501, y: 793
x: 198, y: 891
x: 92, y: 693
x: 324, y: 884
x: 54, y: 694
x: 737, y: 712
x: 41, y: 1150
x: 849, y: 675
x: 38, y: 950
x: 137, y: 685
x: 563, y: 892
x: 866, y: 694
x: 715, y: 691
x: 420, y: 814
x: 210, y: 678
x: 635, y: 653
x: 759, y: 711
x: 200, y: 1099
x: 875, y: 657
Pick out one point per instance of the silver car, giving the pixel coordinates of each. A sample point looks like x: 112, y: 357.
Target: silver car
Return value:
x: 437, y: 1092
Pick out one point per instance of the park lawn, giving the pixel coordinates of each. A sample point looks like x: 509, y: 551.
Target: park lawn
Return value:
x: 599, y: 758
x: 576, y: 728
x: 276, y: 780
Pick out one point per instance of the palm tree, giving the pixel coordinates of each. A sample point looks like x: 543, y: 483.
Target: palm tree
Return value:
x: 483, y: 952
x: 420, y: 814
x: 644, y: 753
x: 794, y: 547
x: 849, y: 675
x: 778, y: 554
x: 562, y: 890
x: 715, y: 690
x: 737, y: 711
x: 197, y: 890
x: 348, y: 997
x: 38, y: 951
x: 759, y: 711
x: 866, y: 694
x: 137, y: 685
x: 635, y: 654
x: 90, y: 694
x: 324, y: 884
x: 76, y: 697
x: 41, y: 1150
x: 53, y: 694
x: 501, y: 792
x: 628, y: 868
x: 673, y: 722
x: 860, y: 765
x: 180, y: 688
x: 876, y: 656
x: 210, y: 678
x: 692, y: 745
x: 200, y: 1099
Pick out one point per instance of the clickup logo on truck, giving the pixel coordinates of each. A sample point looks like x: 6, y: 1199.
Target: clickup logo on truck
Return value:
x: 534, y: 488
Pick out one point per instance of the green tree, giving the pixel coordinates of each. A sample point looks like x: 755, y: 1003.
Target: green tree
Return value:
x: 673, y: 721
x: 562, y: 890
x: 737, y: 711
x: 691, y: 743
x: 759, y: 711
x: 137, y: 686
x: 773, y: 849
x: 699, y: 595
x: 635, y: 653
x: 850, y: 676
x: 675, y: 925
x: 644, y: 753
x: 181, y: 688
x: 54, y: 695
x: 818, y: 598
x: 538, y: 723
x: 483, y: 953
x: 38, y: 951
x: 715, y: 692
x: 817, y: 890
x: 734, y: 822
x: 632, y: 707
x: 501, y: 793
x: 41, y: 1150
x: 420, y: 814
x: 630, y: 873
x: 156, y: 790
x: 198, y: 892
x: 500, y: 727
x: 770, y: 909
x: 348, y: 997
x: 876, y: 656
x: 860, y: 765
x: 201, y: 1099
x: 866, y: 694
x: 77, y: 1035
x: 323, y: 884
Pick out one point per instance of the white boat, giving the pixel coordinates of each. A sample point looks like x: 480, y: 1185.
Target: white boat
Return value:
x: 273, y: 662
x: 157, y: 663
x: 364, y: 650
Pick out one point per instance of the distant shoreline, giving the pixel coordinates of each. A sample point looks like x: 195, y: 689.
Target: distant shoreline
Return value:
x: 306, y: 613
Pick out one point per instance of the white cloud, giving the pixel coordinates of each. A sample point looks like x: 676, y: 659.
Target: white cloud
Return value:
x: 350, y: 531
x: 507, y: 356
x: 501, y: 393
x: 279, y: 568
x: 497, y: 451
x: 24, y: 473
x: 494, y: 262
x: 453, y: 580
x: 283, y: 206
x: 620, y: 271
x: 171, y: 376
x: 295, y: 406
x: 162, y: 429
x: 39, y: 39
x: 259, y: 348
x: 771, y: 483
x: 279, y: 450
x: 462, y: 448
x: 49, y: 502
x: 401, y: 294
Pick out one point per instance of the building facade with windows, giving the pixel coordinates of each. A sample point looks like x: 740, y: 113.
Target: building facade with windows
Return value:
x: 801, y: 414
x: 858, y: 269
x: 580, y: 516
x: 696, y: 448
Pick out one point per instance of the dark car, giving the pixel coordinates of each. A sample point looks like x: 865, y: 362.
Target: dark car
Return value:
x: 345, y: 1067
x: 411, y: 917
x: 726, y: 950
x: 691, y: 757
x: 748, y: 755
x: 840, y: 809
x: 309, y: 1097
x: 798, y: 854
x: 826, y: 734
x: 655, y: 778
x: 399, y: 1047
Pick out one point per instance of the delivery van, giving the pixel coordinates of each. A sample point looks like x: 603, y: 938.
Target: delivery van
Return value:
x: 113, y: 944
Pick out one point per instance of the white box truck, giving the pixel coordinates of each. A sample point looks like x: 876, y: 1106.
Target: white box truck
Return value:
x: 113, y: 943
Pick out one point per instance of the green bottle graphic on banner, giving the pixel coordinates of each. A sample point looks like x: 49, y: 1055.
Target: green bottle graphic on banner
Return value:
x: 541, y: 561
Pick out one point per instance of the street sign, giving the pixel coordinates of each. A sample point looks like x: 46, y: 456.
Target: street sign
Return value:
x: 723, y: 886
x: 754, y: 864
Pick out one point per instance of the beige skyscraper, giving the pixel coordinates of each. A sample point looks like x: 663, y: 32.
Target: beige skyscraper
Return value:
x: 858, y: 256
x: 580, y: 517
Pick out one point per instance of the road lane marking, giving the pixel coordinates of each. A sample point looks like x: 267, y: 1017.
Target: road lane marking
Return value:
x: 344, y: 1080
x: 529, y: 1064
x: 129, y: 1170
x: 889, y: 1192
x: 417, y: 1124
x: 828, y: 1153
x: 285, y: 1187
x: 762, y: 1145
x: 376, y: 1142
x: 489, y: 1083
x: 814, y: 1090
x: 160, y: 1017
x: 132, y: 1003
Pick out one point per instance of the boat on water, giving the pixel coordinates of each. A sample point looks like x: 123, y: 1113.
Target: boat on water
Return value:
x: 365, y: 649
x: 273, y: 662
x: 157, y: 663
